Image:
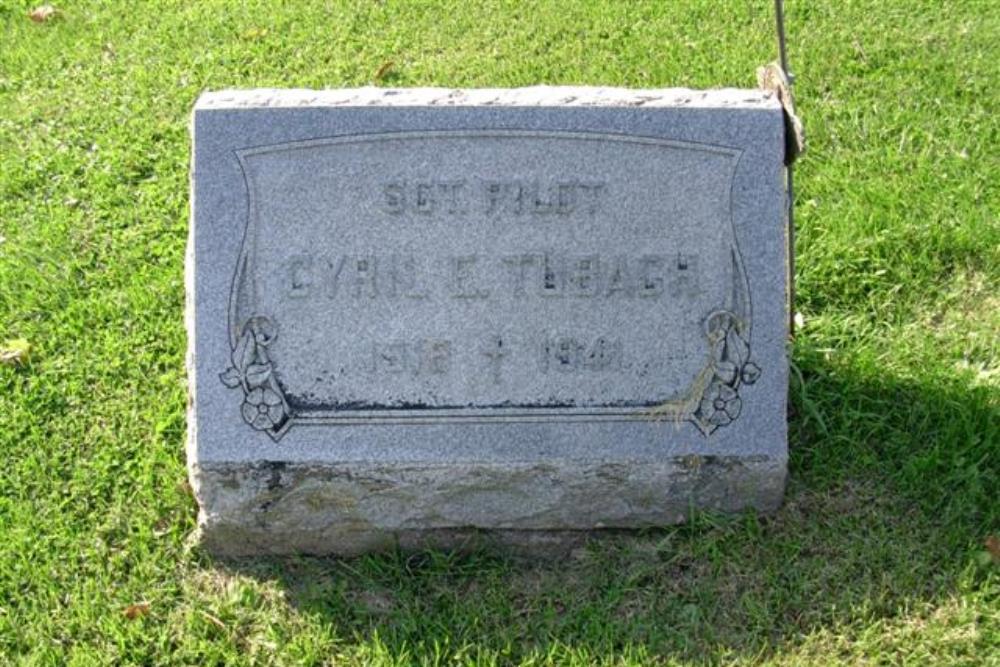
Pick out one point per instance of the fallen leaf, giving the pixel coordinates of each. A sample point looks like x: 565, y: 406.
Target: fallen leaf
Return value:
x: 384, y: 69
x: 43, y: 13
x: 378, y: 603
x: 214, y: 620
x: 255, y: 33
x: 993, y: 546
x: 137, y: 610
x: 15, y: 352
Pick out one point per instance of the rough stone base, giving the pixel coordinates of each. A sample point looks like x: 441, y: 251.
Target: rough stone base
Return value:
x: 543, y: 509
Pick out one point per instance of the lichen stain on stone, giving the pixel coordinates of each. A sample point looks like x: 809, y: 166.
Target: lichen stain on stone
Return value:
x: 273, y: 470
x: 230, y: 482
x: 339, y: 498
x: 646, y: 501
x: 692, y: 462
x: 614, y: 473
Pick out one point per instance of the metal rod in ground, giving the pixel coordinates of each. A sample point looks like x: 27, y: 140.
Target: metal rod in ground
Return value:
x: 779, y: 19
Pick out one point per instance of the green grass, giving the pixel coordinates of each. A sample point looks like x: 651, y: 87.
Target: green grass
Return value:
x: 878, y: 555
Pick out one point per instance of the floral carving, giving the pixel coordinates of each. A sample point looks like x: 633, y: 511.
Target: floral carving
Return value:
x: 720, y: 402
x: 264, y: 407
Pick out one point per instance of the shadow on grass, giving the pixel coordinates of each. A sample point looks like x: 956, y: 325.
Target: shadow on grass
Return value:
x: 888, y: 501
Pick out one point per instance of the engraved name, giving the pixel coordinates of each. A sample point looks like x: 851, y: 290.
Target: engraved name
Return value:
x: 477, y: 276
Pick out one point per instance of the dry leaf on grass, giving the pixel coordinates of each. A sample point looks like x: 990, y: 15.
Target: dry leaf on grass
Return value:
x: 384, y: 69
x: 184, y: 487
x: 134, y: 611
x: 993, y: 546
x: 214, y: 620
x: 255, y: 33
x: 15, y: 352
x: 43, y: 13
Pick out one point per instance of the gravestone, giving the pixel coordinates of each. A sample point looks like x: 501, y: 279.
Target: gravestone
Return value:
x: 417, y: 316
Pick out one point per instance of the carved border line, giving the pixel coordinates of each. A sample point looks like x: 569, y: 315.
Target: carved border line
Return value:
x: 713, y: 400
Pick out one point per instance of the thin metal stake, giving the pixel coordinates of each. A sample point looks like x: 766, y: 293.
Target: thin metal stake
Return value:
x: 779, y: 18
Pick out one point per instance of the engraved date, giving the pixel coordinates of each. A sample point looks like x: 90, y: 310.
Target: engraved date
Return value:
x: 575, y: 354
x: 423, y: 357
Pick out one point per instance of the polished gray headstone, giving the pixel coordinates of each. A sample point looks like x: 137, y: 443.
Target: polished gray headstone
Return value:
x: 420, y: 315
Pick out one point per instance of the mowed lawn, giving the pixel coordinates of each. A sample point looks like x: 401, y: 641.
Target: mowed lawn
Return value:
x: 887, y: 550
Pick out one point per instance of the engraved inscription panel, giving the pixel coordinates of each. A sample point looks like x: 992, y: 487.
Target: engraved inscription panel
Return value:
x: 492, y: 274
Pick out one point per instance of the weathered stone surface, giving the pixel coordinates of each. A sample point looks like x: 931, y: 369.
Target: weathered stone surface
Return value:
x: 416, y: 315
x: 276, y: 508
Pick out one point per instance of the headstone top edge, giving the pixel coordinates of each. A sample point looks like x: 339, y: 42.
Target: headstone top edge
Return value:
x: 535, y: 96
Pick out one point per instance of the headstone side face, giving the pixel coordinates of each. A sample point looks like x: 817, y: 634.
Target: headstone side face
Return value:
x: 415, y: 316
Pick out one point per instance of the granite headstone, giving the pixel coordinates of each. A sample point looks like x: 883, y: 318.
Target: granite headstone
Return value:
x: 418, y: 316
